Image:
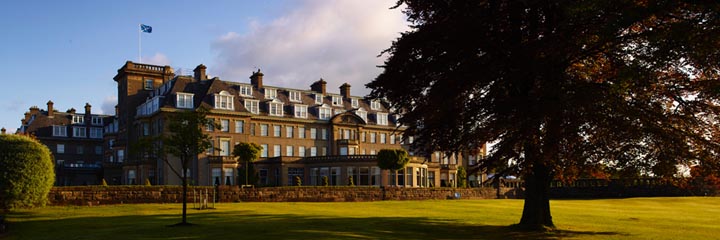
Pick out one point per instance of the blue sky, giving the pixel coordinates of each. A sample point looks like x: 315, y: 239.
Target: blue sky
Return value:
x: 69, y: 51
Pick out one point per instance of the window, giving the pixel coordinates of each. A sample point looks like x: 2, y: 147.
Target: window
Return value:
x: 146, y: 129
x: 263, y: 175
x: 301, y: 132
x: 263, y: 130
x: 239, y: 125
x: 211, y: 125
x: 229, y: 179
x: 131, y: 177
x: 211, y: 149
x: 374, y: 105
x: 295, y: 172
x: 313, y: 133
x: 216, y: 175
x: 246, y: 90
x: 78, y: 119
x: 97, y: 121
x: 289, y: 132
x: 289, y: 150
x: 276, y: 131
x: 270, y: 93
x: 98, y: 150
x: 59, y: 131
x: 392, y: 138
x: 80, y: 150
x: 313, y: 151
x: 225, y: 125
x: 275, y: 108
x: 362, y: 114
x: 372, y: 137
x: 323, y: 151
x: 184, y: 100
x: 264, y: 152
x: 225, y: 147
x: 224, y: 100
x: 324, y: 134
x: 301, y: 151
x: 294, y: 96
x: 79, y: 132
x: 362, y: 136
x: 382, y: 138
x: 60, y: 148
x: 252, y: 106
x: 382, y: 118
x: 96, y: 132
x: 355, y: 103
x: 324, y: 113
x: 336, y: 100
x: 318, y: 99
x: 148, y: 84
x: 121, y: 155
x: 276, y: 151
x: 300, y: 111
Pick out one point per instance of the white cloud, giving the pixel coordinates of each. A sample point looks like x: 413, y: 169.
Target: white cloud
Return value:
x: 108, y: 105
x: 335, y: 40
x: 157, y: 59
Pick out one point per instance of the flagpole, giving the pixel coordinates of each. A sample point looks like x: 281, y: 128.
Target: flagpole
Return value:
x: 139, y: 43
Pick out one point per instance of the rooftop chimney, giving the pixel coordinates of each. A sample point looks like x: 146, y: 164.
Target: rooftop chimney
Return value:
x: 88, y: 108
x: 2, y: 131
x: 71, y: 111
x: 345, y: 90
x: 319, y: 86
x: 50, y: 108
x: 256, y: 79
x: 200, y: 72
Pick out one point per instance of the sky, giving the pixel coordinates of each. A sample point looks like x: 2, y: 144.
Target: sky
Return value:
x: 69, y: 51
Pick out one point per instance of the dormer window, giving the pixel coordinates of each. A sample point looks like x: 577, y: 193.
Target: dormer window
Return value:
x: 270, y: 93
x: 224, y: 100
x: 381, y: 118
x: 275, y: 108
x: 362, y: 114
x: 300, y: 111
x: 96, y: 120
x: 374, y: 105
x: 294, y: 96
x: 59, y: 131
x: 324, y: 112
x: 184, y: 100
x: 336, y: 100
x: 252, y: 105
x: 355, y: 103
x: 245, y: 90
x: 318, y: 98
x: 78, y: 119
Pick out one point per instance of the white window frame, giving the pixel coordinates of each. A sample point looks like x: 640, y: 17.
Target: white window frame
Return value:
x: 275, y: 109
x: 78, y: 119
x: 300, y: 111
x: 59, y: 131
x: 313, y: 133
x: 362, y: 114
x: 324, y: 113
x: 97, y: 120
x: 289, y: 151
x: 184, y: 100
x: 323, y: 133
x: 239, y: 126
x: 277, y: 130
x: 96, y: 132
x: 225, y: 125
x: 79, y: 132
x: 318, y: 98
x: 375, y: 105
x: 252, y: 106
x: 245, y: 91
x: 60, y: 148
x: 225, y: 151
x: 301, y: 151
x: 263, y: 130
x: 270, y: 93
x: 277, y: 150
x: 289, y: 132
x: 224, y: 100
x: 355, y: 102
x: 337, y: 100
x: 382, y: 118
x: 264, y: 152
x: 148, y: 84
x: 301, y: 132
x: 383, y: 138
x: 295, y: 96
x: 313, y: 151
x: 372, y: 137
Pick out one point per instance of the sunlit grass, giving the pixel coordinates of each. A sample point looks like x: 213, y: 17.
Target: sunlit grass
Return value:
x: 635, y: 218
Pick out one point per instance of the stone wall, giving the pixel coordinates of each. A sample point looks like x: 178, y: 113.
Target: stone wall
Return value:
x: 98, y: 195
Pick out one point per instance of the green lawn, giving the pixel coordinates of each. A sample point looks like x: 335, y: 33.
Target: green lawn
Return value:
x: 635, y: 218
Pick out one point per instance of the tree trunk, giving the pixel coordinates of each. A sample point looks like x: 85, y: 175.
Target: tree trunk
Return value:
x: 184, y: 197
x: 536, y: 211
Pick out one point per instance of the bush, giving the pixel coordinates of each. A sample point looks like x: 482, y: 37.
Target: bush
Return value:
x: 104, y: 183
x: 350, y: 181
x: 26, y: 172
x: 298, y: 181
x: 147, y: 182
x: 325, y: 181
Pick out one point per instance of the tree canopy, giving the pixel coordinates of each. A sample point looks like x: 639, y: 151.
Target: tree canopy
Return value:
x: 247, y: 152
x: 26, y: 172
x: 560, y: 86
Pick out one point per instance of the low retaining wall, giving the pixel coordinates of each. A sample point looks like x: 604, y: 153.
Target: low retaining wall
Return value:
x: 97, y: 195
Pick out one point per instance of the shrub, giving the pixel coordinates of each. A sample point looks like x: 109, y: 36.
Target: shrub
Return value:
x: 147, y: 182
x: 350, y: 181
x: 26, y: 172
x: 104, y: 183
x: 325, y: 181
x: 298, y: 181
x: 462, y: 177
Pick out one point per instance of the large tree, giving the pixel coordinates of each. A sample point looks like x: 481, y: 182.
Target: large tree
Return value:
x: 561, y: 86
x: 185, y: 140
x: 247, y: 152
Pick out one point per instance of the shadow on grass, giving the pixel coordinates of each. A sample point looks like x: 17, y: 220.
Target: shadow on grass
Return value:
x: 248, y: 225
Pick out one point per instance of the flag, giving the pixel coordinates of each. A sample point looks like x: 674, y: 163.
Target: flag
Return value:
x: 145, y: 28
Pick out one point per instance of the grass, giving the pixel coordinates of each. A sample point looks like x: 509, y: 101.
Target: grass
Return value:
x: 635, y: 218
